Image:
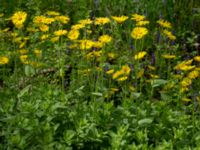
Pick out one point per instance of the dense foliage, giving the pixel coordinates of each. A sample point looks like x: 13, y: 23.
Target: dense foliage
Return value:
x: 99, y: 74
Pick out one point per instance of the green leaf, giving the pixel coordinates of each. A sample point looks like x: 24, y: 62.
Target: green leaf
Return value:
x: 23, y: 91
x: 158, y: 82
x: 29, y: 70
x: 97, y: 94
x: 145, y: 121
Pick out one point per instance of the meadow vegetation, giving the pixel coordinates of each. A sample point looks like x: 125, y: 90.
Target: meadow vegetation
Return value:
x: 100, y: 74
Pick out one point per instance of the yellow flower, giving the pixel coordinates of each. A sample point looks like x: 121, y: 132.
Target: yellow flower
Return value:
x: 44, y: 28
x: 38, y: 52
x: 73, y: 34
x: 117, y: 74
x: 77, y: 26
x: 60, y: 32
x: 193, y: 74
x: 19, y: 18
x: 122, y: 78
x: 22, y: 44
x: 167, y: 56
x: 44, y: 36
x: 138, y: 17
x: 85, y: 44
x: 169, y: 35
x: 97, y: 44
x: 139, y: 32
x: 24, y: 58
x: 111, y: 56
x: 140, y: 55
x: 38, y: 20
x: 101, y: 21
x: 111, y: 71
x: 120, y: 19
x: 185, y: 65
x: 126, y: 69
x: 52, y: 13
x: 105, y: 39
x: 62, y: 19
x: 197, y: 58
x: 55, y: 39
x: 142, y: 23
x: 85, y: 22
x: 4, y: 60
x: 186, y: 82
x: 23, y: 51
x: 164, y: 23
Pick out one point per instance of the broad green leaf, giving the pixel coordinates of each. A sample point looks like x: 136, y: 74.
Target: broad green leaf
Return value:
x: 23, y: 91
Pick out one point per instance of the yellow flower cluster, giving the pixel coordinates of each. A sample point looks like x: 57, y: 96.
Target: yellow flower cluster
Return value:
x: 101, y: 21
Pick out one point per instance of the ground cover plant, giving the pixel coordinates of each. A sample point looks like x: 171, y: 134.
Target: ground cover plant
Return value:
x: 99, y: 75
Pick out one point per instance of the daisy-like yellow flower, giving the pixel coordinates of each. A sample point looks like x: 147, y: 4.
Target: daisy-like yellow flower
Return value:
x: 19, y: 18
x: 60, y: 32
x: 142, y: 23
x: 105, y: 39
x: 164, y: 23
x: 38, y: 20
x: 139, y: 32
x: 85, y: 44
x: 62, y: 19
x: 120, y: 19
x: 193, y: 74
x: 101, y: 21
x: 77, y: 26
x: 186, y: 82
x: 169, y: 35
x: 4, y: 60
x: 140, y: 55
x: 197, y: 58
x: 44, y: 36
x: 126, y: 69
x: 24, y: 59
x: 44, y: 28
x: 137, y: 17
x: 73, y: 34
x: 85, y: 21
x: 97, y: 44
x: 167, y: 56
